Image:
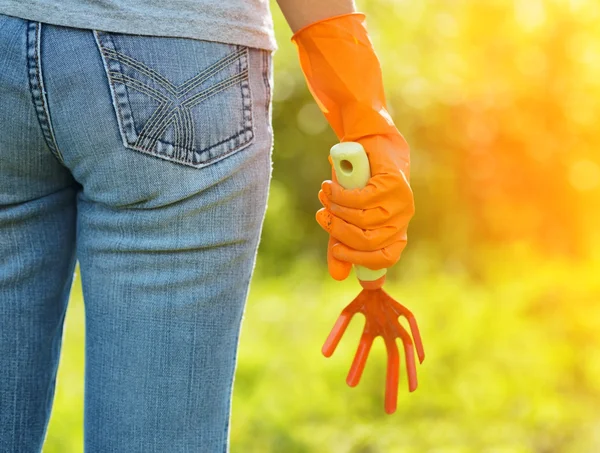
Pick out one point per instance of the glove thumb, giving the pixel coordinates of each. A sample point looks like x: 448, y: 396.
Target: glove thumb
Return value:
x: 339, y: 270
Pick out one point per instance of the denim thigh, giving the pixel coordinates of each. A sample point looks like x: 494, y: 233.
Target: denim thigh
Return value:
x: 153, y: 158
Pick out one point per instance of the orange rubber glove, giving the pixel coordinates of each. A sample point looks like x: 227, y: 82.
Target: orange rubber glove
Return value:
x: 366, y: 226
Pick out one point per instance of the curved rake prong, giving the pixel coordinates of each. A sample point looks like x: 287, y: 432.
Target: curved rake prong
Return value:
x: 412, y: 322
x: 392, y: 376
x: 381, y: 319
x: 360, y: 359
x: 336, y: 333
x: 409, y: 356
x: 340, y: 327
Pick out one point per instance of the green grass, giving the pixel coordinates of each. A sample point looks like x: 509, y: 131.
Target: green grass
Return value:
x: 512, y: 365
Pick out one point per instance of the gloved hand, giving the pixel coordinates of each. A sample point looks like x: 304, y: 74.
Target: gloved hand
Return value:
x: 366, y: 226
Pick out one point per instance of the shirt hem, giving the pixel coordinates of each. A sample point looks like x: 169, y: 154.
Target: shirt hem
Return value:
x: 194, y: 28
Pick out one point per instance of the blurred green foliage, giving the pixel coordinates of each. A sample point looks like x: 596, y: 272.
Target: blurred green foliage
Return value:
x: 498, y: 100
x: 512, y: 365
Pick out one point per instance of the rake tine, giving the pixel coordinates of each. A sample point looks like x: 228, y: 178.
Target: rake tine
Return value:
x: 411, y: 369
x: 336, y: 333
x: 412, y: 322
x: 341, y: 324
x: 360, y: 359
x: 391, y: 385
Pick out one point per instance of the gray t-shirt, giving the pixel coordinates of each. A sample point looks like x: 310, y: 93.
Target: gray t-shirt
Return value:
x: 244, y: 22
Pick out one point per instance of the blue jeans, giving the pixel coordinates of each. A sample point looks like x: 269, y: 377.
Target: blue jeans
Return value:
x: 148, y: 160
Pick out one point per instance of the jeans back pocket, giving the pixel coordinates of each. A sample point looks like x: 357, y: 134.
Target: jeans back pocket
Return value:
x: 179, y: 99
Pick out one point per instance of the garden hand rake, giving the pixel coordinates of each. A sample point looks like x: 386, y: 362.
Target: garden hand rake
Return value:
x: 381, y: 312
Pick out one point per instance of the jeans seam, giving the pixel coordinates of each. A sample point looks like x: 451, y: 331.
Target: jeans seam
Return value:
x: 36, y: 86
x: 247, y: 115
x: 267, y: 80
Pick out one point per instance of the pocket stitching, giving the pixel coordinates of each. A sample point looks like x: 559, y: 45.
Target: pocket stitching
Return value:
x: 180, y: 153
x: 114, y: 97
x: 141, y: 67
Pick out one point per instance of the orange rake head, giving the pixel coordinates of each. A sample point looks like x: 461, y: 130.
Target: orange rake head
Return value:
x: 381, y: 315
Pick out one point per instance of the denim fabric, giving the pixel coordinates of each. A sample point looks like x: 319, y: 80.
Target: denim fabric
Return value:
x: 148, y: 160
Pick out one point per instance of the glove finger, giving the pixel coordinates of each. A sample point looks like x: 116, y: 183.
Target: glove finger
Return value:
x: 379, y: 259
x: 365, y: 218
x: 391, y: 191
x: 323, y: 199
x: 357, y: 238
x: 339, y: 270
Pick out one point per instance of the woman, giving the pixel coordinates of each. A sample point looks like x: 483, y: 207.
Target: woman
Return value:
x: 135, y: 137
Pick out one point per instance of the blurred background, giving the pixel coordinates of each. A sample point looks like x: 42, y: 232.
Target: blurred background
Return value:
x: 499, y: 100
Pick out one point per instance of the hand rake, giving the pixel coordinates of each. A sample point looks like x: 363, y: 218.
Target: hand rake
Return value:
x: 351, y: 166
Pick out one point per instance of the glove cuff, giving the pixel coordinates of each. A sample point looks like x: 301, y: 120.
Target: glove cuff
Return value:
x: 296, y: 35
x: 343, y: 74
